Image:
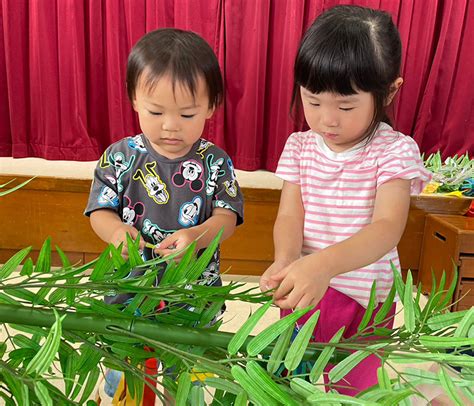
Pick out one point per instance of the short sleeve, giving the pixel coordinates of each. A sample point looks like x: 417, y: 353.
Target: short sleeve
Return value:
x: 104, y: 191
x: 227, y: 194
x: 401, y: 159
x: 288, y: 167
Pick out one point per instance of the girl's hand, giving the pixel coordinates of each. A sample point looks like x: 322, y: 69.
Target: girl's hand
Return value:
x: 176, y: 242
x: 119, y: 236
x: 266, y: 281
x: 302, y: 283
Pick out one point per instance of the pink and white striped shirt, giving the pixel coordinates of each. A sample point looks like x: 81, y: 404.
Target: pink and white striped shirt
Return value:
x: 338, y: 191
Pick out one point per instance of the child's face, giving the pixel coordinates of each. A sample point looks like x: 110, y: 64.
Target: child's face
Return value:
x: 340, y: 120
x: 172, y: 120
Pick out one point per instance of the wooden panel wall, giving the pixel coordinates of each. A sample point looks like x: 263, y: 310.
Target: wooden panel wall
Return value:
x: 54, y: 207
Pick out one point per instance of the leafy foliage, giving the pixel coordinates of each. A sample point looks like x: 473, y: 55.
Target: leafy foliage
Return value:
x: 58, y: 327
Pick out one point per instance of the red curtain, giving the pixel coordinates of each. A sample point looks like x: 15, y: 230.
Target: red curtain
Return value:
x: 62, y: 72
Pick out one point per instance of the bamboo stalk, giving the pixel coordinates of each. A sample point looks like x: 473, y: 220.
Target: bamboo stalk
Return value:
x: 76, y: 321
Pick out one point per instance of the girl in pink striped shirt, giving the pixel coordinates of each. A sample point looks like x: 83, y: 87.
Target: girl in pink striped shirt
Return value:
x: 347, y: 181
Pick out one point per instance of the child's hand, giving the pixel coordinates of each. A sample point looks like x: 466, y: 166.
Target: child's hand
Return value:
x: 302, y: 283
x: 176, y: 242
x: 266, y: 281
x: 119, y: 236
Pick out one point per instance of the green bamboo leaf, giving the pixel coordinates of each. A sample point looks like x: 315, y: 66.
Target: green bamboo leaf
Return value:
x: 90, y: 384
x: 397, y: 397
x: 23, y: 293
x: 200, y: 264
x: 464, y: 326
x: 179, y: 272
x: 42, y: 394
x: 449, y: 387
x: 88, y: 359
x: 325, y: 356
x: 69, y: 373
x: 300, y: 343
x: 64, y: 259
x: 14, y: 385
x: 126, y: 350
x: 383, y: 378
x: 25, y: 342
x: 440, y: 321
x: 398, y: 281
x: 445, y: 342
x: 7, y: 299
x: 456, y: 360
x: 408, y: 309
x: 468, y: 393
x: 57, y: 296
x: 223, y: 385
x: 386, y: 307
x: 370, y: 308
x: 134, y: 386
x: 416, y: 303
x: 263, y: 339
x: 45, y: 356
x: 255, y: 392
x: 134, y: 257
x: 449, y: 294
x: 242, y: 334
x: 241, y: 399
x: 103, y: 266
x: 263, y: 380
x: 3, y: 347
x: 43, y: 264
x: 12, y: 264
x: 184, y: 386
x: 197, y: 396
x: 27, y: 269
x: 304, y: 388
x: 331, y: 398
x: 211, y: 312
x: 14, y: 188
x: 280, y: 349
x: 347, y: 364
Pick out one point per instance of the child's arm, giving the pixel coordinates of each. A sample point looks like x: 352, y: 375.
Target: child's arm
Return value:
x: 109, y: 227
x: 287, y: 233
x: 305, y: 281
x: 221, y: 218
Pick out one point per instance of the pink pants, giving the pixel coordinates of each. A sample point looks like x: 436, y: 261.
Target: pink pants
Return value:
x: 339, y: 310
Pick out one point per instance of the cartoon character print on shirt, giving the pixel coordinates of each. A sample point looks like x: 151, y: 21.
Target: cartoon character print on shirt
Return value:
x: 121, y: 166
x: 108, y: 197
x: 156, y: 233
x: 215, y: 172
x: 154, y: 186
x: 223, y: 205
x: 136, y: 143
x: 190, y: 172
x: 203, y: 146
x: 189, y: 212
x: 230, y: 185
x: 104, y: 162
x: 130, y: 213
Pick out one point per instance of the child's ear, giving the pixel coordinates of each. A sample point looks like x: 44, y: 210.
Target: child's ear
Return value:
x: 210, y: 112
x: 134, y: 105
x: 394, y: 87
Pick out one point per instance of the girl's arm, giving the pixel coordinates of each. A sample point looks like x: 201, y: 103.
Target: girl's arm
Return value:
x: 221, y: 218
x: 287, y: 233
x: 305, y: 281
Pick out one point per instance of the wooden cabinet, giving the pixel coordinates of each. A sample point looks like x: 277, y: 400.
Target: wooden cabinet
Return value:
x: 50, y: 206
x: 448, y: 243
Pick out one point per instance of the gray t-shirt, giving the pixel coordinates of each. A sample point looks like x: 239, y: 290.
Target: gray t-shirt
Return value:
x: 159, y: 196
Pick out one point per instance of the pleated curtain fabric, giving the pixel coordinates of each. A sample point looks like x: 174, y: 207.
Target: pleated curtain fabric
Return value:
x: 63, y: 62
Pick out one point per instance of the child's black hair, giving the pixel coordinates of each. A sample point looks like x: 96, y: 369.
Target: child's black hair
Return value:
x: 349, y: 49
x: 184, y: 55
